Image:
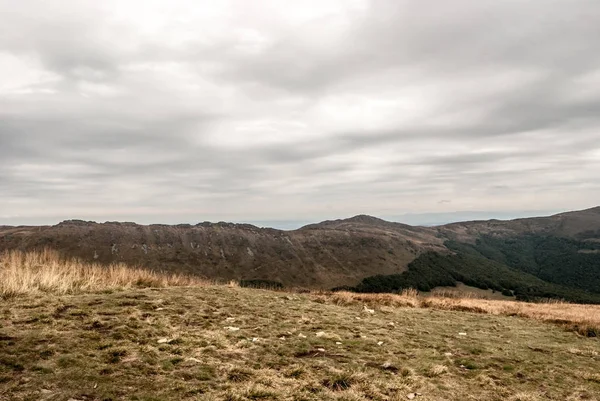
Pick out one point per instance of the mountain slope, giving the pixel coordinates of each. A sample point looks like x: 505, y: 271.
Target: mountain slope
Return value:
x: 553, y: 255
x: 320, y: 256
x: 583, y: 224
x: 563, y: 249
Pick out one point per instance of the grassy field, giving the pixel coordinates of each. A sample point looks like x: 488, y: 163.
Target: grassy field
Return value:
x: 209, y: 342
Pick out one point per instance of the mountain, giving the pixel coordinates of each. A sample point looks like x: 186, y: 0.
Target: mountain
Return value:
x: 555, y: 256
x: 318, y: 256
x: 583, y: 224
x: 563, y: 249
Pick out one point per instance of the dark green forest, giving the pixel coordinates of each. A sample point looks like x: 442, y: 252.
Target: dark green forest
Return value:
x: 563, y: 261
x: 468, y: 266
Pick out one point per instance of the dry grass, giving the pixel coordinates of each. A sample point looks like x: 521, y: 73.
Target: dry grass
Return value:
x: 46, y: 271
x: 585, y: 319
x: 175, y: 343
x: 66, y: 337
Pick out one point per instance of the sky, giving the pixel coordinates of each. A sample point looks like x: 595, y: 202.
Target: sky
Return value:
x: 287, y: 111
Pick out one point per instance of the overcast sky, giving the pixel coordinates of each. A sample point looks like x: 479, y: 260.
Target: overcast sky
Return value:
x: 185, y: 111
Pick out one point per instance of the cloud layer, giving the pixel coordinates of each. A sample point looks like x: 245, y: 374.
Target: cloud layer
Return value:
x: 267, y: 110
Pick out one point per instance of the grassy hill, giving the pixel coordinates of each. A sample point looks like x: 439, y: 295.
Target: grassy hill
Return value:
x: 167, y: 339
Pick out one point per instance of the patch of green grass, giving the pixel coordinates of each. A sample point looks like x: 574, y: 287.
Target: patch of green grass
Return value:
x: 238, y: 375
x: 66, y: 361
x: 339, y: 381
x: 116, y: 355
x: 41, y: 369
x: 10, y: 363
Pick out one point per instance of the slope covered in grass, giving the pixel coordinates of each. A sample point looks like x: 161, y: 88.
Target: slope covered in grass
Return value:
x: 47, y: 272
x: 230, y: 343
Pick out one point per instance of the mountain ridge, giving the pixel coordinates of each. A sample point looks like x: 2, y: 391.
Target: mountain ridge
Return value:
x: 328, y: 254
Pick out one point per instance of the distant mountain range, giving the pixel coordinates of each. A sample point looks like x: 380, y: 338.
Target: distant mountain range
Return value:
x: 556, y: 256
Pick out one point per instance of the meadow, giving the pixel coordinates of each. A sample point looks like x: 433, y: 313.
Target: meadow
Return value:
x: 76, y: 331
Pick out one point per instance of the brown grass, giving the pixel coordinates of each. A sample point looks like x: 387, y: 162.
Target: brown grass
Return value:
x: 46, y: 271
x: 585, y: 319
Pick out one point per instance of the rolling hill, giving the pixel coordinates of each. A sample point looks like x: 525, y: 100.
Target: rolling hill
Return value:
x: 555, y: 256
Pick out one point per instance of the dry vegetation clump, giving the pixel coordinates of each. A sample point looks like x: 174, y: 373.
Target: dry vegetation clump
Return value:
x: 585, y: 319
x: 46, y: 271
x: 408, y: 298
x: 448, y: 293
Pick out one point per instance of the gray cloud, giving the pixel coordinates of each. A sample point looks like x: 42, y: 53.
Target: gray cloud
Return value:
x: 186, y: 112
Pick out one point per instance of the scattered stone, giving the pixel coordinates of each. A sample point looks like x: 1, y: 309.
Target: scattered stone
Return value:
x: 301, y: 335
x: 282, y: 338
x: 448, y: 354
x: 320, y: 333
x: 158, y: 309
x: 194, y: 360
x: 230, y: 319
x: 462, y: 334
x: 254, y: 339
x: 371, y: 311
x: 321, y: 349
x: 231, y: 328
x: 338, y: 343
x: 357, y: 318
x: 163, y: 341
x: 380, y: 343
x: 412, y: 396
x: 45, y: 391
x: 391, y: 324
x: 389, y: 367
